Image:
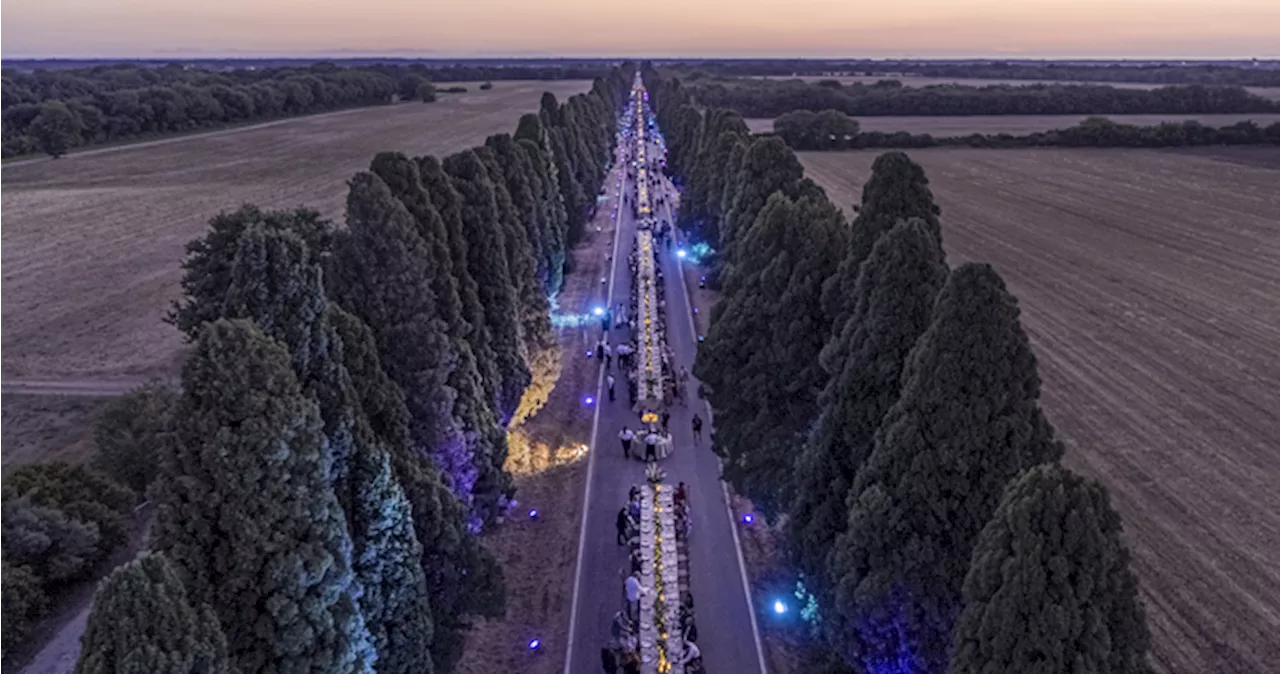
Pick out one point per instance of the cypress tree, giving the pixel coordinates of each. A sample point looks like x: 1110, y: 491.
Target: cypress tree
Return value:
x: 207, y: 267
x: 551, y: 213
x: 382, y: 275
x: 571, y: 190
x: 246, y: 512
x: 449, y: 204
x: 538, y: 343
x: 472, y: 407
x: 519, y: 182
x: 965, y: 424
x: 768, y: 166
x: 1049, y: 588
x: 142, y: 622
x: 388, y: 563
x: 463, y: 578
x: 487, y: 260
x: 897, y: 190
x: 895, y: 294
x: 275, y: 285
x: 531, y: 135
x: 787, y: 254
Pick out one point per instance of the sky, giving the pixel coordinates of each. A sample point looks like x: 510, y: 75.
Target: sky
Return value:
x: 656, y: 28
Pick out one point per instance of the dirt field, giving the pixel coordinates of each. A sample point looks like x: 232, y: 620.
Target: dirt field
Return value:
x: 91, y: 243
x: 1148, y: 282
x: 910, y: 81
x: 47, y: 428
x: 963, y: 125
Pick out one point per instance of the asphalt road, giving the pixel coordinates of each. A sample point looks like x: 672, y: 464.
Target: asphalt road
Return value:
x: 723, y: 611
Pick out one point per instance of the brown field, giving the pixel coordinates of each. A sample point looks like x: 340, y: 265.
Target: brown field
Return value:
x: 1148, y: 283
x: 963, y: 125
x: 912, y: 81
x: 92, y: 242
x: 47, y: 428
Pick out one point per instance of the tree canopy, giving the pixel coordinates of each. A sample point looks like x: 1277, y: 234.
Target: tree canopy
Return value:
x: 1050, y: 589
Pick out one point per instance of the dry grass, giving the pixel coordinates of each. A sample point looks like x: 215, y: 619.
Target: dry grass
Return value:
x: 1148, y: 284
x: 47, y: 428
x: 538, y: 557
x: 92, y: 243
x: 912, y: 81
x: 963, y: 125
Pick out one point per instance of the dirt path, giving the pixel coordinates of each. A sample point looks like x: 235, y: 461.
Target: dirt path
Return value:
x: 69, y: 615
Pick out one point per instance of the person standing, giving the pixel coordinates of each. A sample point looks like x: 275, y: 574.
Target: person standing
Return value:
x: 666, y: 421
x: 608, y: 660
x: 626, y: 436
x: 697, y: 429
x: 608, y: 356
x: 622, y: 524
x: 651, y: 446
x: 634, y: 592
x: 609, y: 379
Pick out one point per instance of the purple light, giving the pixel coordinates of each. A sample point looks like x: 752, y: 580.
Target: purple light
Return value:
x: 589, y: 401
x: 748, y: 518
x: 533, y: 513
x: 588, y: 354
x: 535, y: 644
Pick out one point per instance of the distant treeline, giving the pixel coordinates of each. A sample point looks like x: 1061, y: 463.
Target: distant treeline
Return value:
x: 833, y: 130
x: 117, y: 102
x: 1240, y: 73
x: 770, y: 98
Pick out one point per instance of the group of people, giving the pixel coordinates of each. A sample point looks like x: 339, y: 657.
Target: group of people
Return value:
x: 622, y: 653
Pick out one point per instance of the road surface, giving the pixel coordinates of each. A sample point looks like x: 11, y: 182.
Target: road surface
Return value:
x: 723, y: 611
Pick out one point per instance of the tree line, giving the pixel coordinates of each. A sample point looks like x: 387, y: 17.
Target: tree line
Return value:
x: 55, y: 110
x: 339, y: 440
x: 771, y: 98
x: 1238, y: 73
x: 898, y: 434
x: 804, y: 130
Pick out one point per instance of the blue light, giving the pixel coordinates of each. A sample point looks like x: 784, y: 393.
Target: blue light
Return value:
x: 681, y: 253
x: 533, y: 513
x: 748, y: 518
x: 779, y: 607
x: 598, y: 311
x: 535, y: 644
x: 589, y: 401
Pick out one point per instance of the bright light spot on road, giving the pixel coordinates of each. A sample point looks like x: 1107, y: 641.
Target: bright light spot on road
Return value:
x: 779, y: 607
x: 589, y: 401
x: 681, y: 253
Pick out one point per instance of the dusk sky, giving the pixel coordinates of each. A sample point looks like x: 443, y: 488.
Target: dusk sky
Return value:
x: 730, y: 28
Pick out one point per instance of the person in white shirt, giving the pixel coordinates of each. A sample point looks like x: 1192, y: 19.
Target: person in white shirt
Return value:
x: 651, y: 446
x: 626, y: 437
x: 609, y: 379
x: 634, y: 591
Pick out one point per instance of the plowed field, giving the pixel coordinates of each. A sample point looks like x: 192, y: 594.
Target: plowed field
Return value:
x: 1149, y: 284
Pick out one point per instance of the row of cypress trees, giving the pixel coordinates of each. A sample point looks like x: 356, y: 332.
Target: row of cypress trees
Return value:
x: 340, y: 436
x: 885, y: 407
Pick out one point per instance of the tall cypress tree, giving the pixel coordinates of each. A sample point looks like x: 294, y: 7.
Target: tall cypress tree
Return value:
x: 388, y: 564
x: 142, y: 622
x: 382, y: 275
x: 895, y: 294
x: 462, y: 576
x: 538, y: 343
x: 519, y: 182
x: 472, y: 408
x: 551, y: 213
x: 966, y: 423
x: 449, y: 204
x: 487, y: 260
x: 275, y: 285
x: 246, y: 512
x: 1049, y: 587
x: 768, y: 166
x: 897, y: 190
